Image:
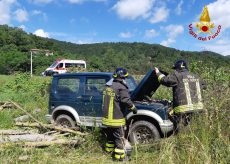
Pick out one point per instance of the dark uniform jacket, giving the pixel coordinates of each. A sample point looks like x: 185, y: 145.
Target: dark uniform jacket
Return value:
x: 115, y: 100
x: 186, y: 90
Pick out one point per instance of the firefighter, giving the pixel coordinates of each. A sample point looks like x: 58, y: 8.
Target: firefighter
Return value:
x: 186, y: 92
x: 116, y: 100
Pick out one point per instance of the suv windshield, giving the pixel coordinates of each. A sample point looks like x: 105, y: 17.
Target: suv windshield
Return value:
x: 131, y: 83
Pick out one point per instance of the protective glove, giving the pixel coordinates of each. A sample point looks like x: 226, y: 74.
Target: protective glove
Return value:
x: 134, y: 110
x: 156, y: 70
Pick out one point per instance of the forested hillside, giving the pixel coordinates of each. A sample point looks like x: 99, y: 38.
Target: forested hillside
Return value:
x: 15, y: 45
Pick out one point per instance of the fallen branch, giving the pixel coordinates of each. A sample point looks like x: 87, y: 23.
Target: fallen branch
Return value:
x: 50, y: 143
x: 52, y: 127
x: 44, y: 143
x: 13, y: 132
x: 19, y: 107
x: 26, y: 138
x: 6, y: 104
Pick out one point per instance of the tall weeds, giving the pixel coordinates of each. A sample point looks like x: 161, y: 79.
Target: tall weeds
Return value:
x: 206, y: 140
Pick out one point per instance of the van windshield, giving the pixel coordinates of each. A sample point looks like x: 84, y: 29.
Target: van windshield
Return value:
x: 53, y: 64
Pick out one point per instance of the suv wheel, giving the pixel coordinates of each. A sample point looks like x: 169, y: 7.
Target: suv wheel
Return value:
x: 143, y: 132
x: 65, y: 121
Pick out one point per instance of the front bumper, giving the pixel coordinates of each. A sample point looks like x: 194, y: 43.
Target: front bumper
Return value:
x: 166, y: 126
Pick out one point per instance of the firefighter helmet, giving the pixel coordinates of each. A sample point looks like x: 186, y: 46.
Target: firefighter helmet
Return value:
x: 180, y: 64
x: 120, y: 73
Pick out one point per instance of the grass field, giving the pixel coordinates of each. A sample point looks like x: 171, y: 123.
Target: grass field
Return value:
x: 207, y: 140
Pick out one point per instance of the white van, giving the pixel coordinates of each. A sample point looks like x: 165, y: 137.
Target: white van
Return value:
x: 62, y: 65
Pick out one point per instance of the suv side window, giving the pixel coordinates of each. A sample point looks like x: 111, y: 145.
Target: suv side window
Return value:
x: 94, y: 86
x: 68, y: 87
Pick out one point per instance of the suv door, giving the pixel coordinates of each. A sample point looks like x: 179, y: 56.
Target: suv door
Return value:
x: 93, y: 90
x: 66, y: 91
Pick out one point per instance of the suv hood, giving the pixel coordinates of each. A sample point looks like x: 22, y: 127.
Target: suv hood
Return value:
x: 147, y: 87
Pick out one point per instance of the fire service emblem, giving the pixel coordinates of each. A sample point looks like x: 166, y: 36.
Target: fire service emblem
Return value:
x: 204, y: 28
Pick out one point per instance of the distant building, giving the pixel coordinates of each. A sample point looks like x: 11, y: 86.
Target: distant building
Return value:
x: 48, y: 53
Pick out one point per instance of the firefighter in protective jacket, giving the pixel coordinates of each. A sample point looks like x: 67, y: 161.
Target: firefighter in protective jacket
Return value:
x: 186, y: 91
x: 116, y: 99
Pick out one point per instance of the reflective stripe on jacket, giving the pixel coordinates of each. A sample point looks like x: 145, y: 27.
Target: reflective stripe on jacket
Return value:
x: 115, y: 100
x: 186, y: 90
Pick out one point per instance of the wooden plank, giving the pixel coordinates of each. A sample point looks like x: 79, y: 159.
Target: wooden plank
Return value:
x: 50, y: 143
x: 26, y: 138
x: 73, y: 142
x: 13, y: 132
x: 52, y: 127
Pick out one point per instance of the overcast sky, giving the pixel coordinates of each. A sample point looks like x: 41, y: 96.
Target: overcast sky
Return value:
x: 162, y: 22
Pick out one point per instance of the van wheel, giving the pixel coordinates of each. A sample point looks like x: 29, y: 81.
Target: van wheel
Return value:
x: 143, y: 132
x: 65, y: 121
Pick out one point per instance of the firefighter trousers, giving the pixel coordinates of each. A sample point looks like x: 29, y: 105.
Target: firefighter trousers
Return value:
x: 115, y: 141
x: 181, y: 118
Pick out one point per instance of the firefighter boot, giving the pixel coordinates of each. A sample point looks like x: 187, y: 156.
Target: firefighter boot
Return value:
x: 109, y: 147
x: 119, y: 154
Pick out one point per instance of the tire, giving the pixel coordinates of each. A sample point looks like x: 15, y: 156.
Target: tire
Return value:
x: 65, y: 121
x: 143, y: 132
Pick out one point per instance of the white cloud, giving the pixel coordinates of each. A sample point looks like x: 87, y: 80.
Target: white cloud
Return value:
x: 126, y: 35
x: 21, y: 15
x: 82, y: 1
x: 5, y: 6
x: 77, y: 40
x: 151, y: 33
x: 219, y: 13
x: 39, y: 13
x: 220, y: 46
x: 83, y: 42
x: 222, y: 42
x: 168, y: 42
x: 41, y: 1
x: 132, y: 9
x: 36, y: 12
x: 159, y: 15
x: 100, y: 0
x: 41, y: 33
x: 23, y: 27
x: 75, y: 1
x: 178, y: 9
x: 172, y: 32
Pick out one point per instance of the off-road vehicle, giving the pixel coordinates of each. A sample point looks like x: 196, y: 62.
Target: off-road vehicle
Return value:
x: 76, y: 100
